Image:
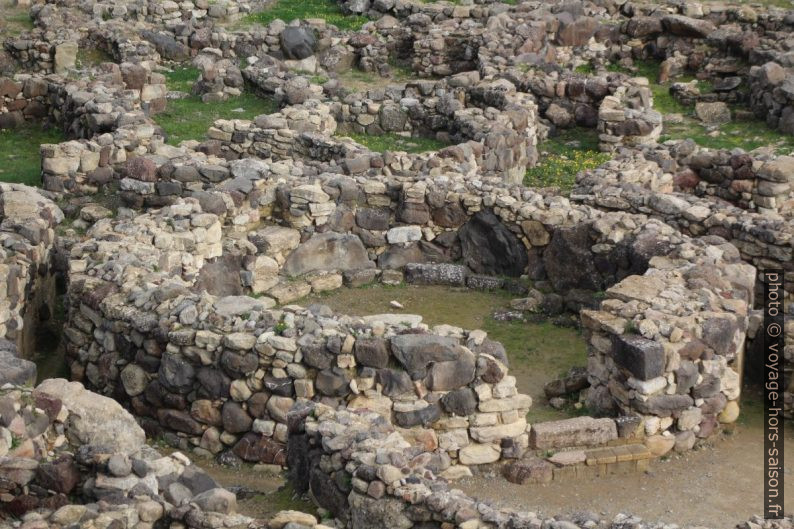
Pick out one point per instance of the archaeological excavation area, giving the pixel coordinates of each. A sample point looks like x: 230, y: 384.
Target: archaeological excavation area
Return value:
x: 406, y: 264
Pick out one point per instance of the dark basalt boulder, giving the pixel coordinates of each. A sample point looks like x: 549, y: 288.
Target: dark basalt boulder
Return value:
x: 298, y: 43
x: 489, y: 247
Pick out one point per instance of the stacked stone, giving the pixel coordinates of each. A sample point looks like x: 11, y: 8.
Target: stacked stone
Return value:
x: 219, y: 78
x: 170, y: 13
x: 569, y: 100
x: 366, y: 474
x: 761, y: 239
x: 772, y: 95
x: 443, y: 51
x: 27, y: 235
x: 406, y: 9
x: 627, y: 117
x: 60, y: 443
x: 229, y: 368
x: 111, y: 114
x: 44, y: 52
x: 24, y: 98
x: 324, y: 258
x: 505, y: 128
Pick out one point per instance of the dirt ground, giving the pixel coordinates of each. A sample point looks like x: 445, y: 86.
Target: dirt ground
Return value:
x: 717, y: 486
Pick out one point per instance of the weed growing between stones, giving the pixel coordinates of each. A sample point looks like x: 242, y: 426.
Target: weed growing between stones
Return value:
x: 189, y: 118
x: 19, y: 152
x: 564, y: 156
x: 288, y: 10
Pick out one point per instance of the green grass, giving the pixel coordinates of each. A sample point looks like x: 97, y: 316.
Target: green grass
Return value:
x: 746, y: 134
x: 585, y: 68
x: 565, y: 155
x: 20, y: 162
x: 538, y: 351
x: 288, y: 10
x: 395, y: 142
x: 189, y: 118
x: 91, y: 57
x: 15, y: 20
x: 181, y: 78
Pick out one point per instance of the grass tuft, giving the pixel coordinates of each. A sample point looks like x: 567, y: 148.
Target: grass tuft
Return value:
x: 20, y: 162
x: 189, y: 118
x: 564, y: 156
x: 289, y: 10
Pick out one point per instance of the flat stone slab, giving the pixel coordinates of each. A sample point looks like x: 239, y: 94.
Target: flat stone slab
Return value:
x: 410, y: 320
x: 579, y: 431
x: 568, y: 458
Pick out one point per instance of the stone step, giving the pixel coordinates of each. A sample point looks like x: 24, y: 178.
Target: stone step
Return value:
x: 594, y: 462
x: 578, y: 431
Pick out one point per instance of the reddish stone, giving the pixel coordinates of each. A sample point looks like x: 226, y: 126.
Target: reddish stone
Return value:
x: 49, y: 404
x: 61, y: 475
x: 742, y: 186
x: 686, y: 179
x: 257, y: 448
x: 707, y: 426
x: 20, y: 505
x: 534, y: 470
x: 179, y: 421
x: 143, y: 169
x: 9, y: 88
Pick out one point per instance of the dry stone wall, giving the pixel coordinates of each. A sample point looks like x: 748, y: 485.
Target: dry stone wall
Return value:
x: 227, y: 369
x: 27, y: 235
x: 72, y: 458
x: 324, y: 250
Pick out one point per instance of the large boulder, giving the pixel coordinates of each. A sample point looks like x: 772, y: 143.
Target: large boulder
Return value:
x: 575, y: 32
x: 328, y: 251
x: 167, y: 45
x: 298, y: 43
x: 569, y: 262
x: 417, y: 351
x: 578, y: 431
x: 65, y: 56
x: 489, y: 247
x: 716, y: 113
x: 94, y: 419
x: 371, y: 512
x: 686, y: 26
x: 14, y: 370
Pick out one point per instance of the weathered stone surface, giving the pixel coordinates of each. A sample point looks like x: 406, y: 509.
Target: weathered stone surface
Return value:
x: 369, y: 512
x: 98, y: 420
x: 579, y: 431
x: 328, y: 251
x: 533, y: 470
x: 490, y: 248
x: 644, y: 358
x: 14, y: 370
x: 298, y: 42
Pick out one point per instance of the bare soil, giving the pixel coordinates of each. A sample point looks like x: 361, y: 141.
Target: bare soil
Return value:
x: 717, y: 486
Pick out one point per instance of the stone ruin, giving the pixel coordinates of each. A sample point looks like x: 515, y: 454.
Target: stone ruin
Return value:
x: 180, y: 304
